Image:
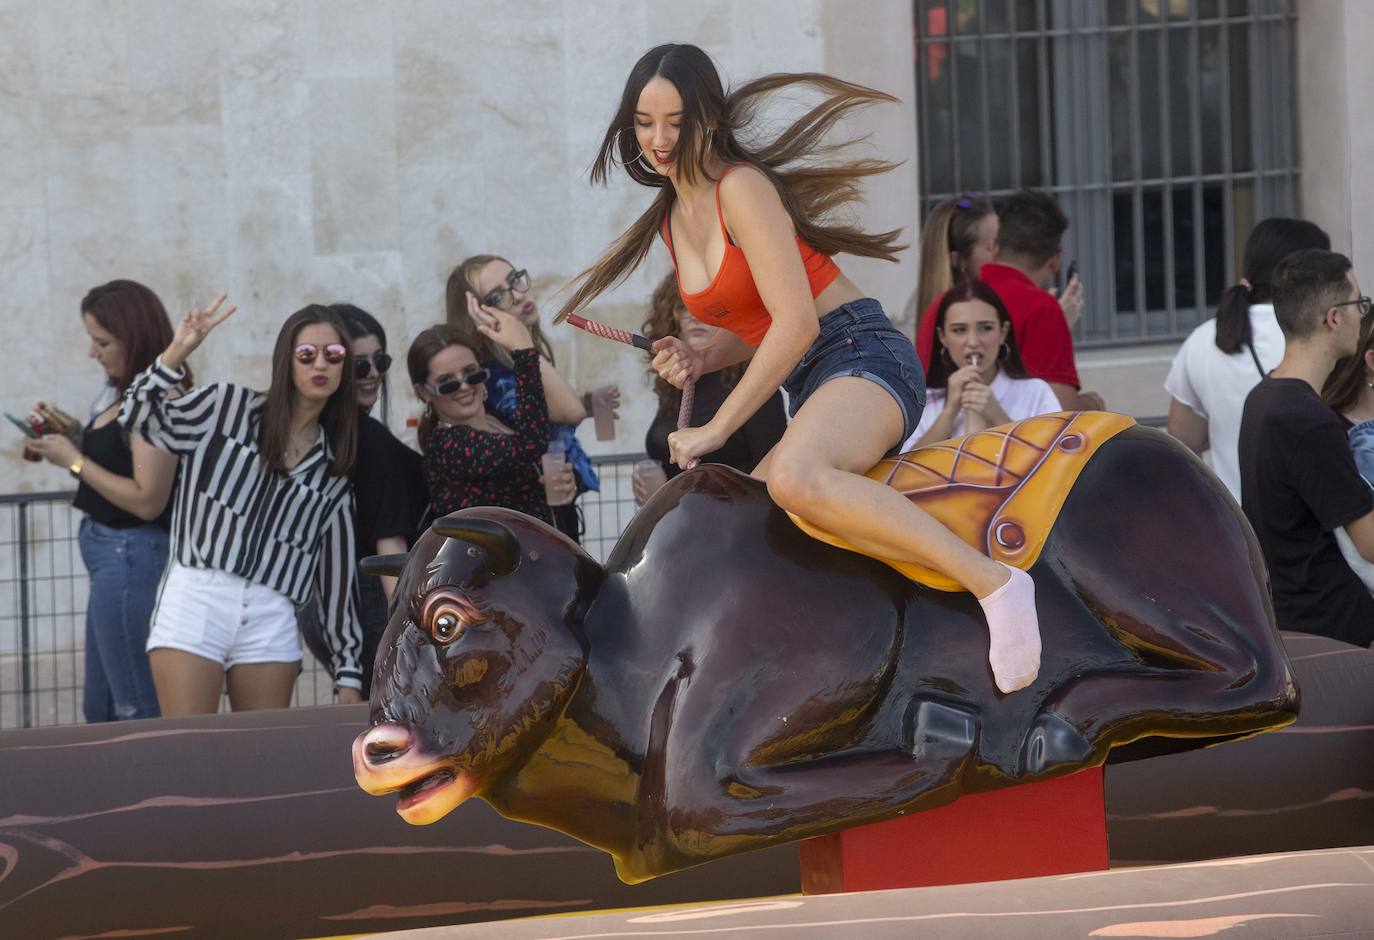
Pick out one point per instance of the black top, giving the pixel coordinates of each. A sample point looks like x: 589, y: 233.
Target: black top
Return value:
x: 741, y: 450
x: 388, y: 487
x: 108, y: 446
x: 1298, y: 482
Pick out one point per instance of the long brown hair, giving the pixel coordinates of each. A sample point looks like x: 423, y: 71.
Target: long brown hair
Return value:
x: 340, y: 416
x: 463, y: 281
x: 134, y: 315
x: 951, y: 229
x: 712, y: 124
x: 662, y: 321
x: 428, y: 344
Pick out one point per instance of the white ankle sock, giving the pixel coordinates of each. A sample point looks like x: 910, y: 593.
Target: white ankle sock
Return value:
x: 1014, y: 632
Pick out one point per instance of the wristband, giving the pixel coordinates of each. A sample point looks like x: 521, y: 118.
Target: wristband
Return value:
x: 76, y: 467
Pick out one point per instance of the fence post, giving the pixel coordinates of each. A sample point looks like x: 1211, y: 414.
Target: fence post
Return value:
x: 25, y: 640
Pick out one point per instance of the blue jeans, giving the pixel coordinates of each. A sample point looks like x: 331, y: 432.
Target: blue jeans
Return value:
x: 858, y: 339
x: 1362, y: 446
x: 125, y: 566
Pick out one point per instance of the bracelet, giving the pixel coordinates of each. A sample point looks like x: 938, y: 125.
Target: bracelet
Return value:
x: 77, y: 465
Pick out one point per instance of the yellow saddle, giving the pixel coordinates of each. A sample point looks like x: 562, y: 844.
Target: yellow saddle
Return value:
x: 999, y: 490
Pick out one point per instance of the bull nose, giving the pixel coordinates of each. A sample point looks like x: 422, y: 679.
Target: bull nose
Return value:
x: 385, y: 743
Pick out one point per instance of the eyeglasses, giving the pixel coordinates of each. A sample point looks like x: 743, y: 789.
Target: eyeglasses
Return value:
x: 363, y: 366
x: 1365, y: 304
x: 474, y: 378
x: 501, y: 297
x: 334, y: 353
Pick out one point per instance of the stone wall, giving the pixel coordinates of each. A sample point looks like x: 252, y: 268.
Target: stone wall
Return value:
x: 293, y: 152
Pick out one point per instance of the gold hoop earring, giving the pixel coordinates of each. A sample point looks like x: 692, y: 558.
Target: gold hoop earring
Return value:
x: 624, y: 163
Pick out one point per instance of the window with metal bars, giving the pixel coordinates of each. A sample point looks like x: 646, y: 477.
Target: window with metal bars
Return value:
x: 1165, y: 127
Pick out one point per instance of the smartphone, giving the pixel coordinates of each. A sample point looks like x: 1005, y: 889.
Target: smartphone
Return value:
x: 1073, y: 270
x: 23, y: 425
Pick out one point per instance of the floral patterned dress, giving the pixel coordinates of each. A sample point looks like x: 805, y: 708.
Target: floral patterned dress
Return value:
x: 466, y: 467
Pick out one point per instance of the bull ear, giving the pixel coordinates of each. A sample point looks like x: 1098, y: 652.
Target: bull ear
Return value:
x: 378, y: 565
x: 500, y: 543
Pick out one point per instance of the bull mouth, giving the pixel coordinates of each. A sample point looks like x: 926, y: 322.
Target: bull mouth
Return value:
x: 434, y: 795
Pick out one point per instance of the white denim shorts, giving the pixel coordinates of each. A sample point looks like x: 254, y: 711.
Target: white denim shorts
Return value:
x: 222, y: 617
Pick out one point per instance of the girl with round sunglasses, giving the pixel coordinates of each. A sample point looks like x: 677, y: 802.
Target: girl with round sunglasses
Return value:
x: 748, y: 220
x: 388, y: 490
x: 479, y: 287
x: 472, y: 457
x: 263, y: 516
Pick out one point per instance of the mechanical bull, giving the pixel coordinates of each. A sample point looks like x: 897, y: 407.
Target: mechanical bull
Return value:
x: 727, y: 681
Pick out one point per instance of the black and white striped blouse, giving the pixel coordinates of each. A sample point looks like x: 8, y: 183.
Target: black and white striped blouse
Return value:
x: 292, y: 534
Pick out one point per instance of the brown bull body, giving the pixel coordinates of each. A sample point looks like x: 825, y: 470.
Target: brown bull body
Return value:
x: 726, y: 682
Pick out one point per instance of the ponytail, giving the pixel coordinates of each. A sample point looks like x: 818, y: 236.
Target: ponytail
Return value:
x: 933, y: 277
x: 1271, y: 241
x: 950, y: 229
x: 1233, y: 318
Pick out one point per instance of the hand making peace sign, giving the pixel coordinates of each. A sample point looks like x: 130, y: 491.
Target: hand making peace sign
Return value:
x: 195, y: 325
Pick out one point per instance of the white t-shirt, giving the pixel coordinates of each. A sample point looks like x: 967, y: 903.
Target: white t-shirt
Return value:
x: 1019, y: 398
x: 1215, y: 385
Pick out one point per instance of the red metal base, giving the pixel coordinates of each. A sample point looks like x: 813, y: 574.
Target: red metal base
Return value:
x: 1048, y: 828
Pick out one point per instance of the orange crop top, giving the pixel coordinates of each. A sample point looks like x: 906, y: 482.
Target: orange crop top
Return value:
x: 732, y: 300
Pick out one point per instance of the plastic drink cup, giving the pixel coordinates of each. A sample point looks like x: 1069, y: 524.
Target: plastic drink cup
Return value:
x: 603, y: 415
x: 552, y: 463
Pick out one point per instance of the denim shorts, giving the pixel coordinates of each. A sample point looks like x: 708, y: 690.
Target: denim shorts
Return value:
x: 858, y: 339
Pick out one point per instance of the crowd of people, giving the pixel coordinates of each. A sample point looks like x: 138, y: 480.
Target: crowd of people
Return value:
x: 223, y: 524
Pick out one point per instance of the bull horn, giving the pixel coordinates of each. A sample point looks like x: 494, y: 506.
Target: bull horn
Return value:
x: 500, y: 543
x: 382, y: 565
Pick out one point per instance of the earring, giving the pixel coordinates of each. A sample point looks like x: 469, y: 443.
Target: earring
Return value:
x: 623, y: 163
x: 1370, y: 383
x: 1004, y: 351
x: 944, y: 356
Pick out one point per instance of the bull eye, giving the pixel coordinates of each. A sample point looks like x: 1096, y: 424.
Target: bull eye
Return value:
x: 446, y: 626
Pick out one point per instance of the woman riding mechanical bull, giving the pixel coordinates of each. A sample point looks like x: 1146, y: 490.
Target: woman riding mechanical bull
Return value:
x: 751, y: 233
x: 659, y: 711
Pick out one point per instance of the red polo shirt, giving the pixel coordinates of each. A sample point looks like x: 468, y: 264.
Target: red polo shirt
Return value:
x: 1036, y: 317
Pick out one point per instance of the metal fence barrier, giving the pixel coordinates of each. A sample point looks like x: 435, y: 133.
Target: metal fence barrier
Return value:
x: 44, y: 590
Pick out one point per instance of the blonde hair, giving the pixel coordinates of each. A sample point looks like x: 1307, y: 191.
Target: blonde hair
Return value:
x: 951, y: 229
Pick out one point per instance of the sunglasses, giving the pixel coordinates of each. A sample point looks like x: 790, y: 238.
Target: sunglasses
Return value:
x: 474, y: 378
x: 334, y: 353
x: 363, y: 366
x: 515, y: 281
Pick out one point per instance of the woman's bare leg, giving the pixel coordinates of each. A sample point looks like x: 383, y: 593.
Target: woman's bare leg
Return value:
x: 262, y: 685
x: 816, y: 471
x: 186, y: 684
